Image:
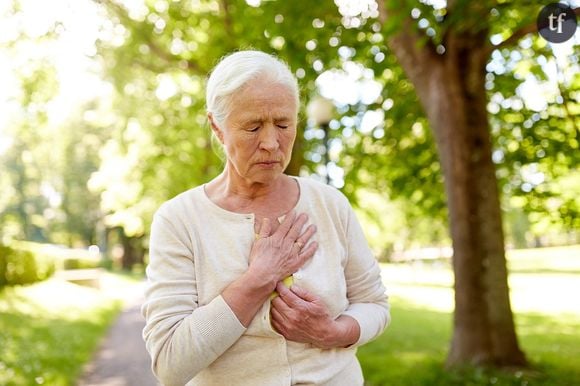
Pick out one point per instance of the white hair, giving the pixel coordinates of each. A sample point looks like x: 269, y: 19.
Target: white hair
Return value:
x: 235, y: 70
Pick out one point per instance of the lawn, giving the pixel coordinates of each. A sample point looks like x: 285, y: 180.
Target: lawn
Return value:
x: 544, y: 283
x: 49, y: 330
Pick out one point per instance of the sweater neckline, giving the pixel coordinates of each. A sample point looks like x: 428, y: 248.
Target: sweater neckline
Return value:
x: 246, y: 216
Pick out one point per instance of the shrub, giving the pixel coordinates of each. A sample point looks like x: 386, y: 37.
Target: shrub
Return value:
x: 80, y: 263
x: 62, y: 257
x: 23, y: 267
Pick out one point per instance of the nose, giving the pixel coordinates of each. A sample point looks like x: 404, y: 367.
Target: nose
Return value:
x: 269, y: 138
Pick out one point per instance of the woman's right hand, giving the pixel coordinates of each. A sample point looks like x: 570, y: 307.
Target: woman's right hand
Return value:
x: 278, y: 254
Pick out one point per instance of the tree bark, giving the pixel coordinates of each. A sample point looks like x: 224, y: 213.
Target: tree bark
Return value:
x: 452, y: 92
x: 133, y: 252
x: 297, y: 159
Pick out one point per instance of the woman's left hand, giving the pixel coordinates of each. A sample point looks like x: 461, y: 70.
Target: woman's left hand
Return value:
x: 301, y: 316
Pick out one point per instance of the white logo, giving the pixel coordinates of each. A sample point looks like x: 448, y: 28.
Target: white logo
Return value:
x: 560, y: 19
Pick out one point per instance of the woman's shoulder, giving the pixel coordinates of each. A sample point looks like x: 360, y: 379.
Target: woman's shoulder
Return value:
x: 180, y: 203
x: 317, y: 190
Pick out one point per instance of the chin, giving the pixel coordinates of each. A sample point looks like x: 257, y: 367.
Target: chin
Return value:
x: 268, y: 176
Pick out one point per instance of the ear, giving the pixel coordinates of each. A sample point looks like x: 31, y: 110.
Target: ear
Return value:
x: 215, y: 128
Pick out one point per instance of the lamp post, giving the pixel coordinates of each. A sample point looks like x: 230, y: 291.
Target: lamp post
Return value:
x: 320, y: 112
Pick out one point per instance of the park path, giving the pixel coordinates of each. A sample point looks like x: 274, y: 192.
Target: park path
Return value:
x: 122, y: 359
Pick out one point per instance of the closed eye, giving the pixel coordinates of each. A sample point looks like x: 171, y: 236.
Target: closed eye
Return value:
x: 282, y: 126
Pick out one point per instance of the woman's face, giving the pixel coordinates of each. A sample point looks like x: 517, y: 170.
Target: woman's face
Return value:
x: 259, y: 132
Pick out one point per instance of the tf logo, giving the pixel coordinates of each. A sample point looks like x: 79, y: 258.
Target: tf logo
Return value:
x: 556, y: 22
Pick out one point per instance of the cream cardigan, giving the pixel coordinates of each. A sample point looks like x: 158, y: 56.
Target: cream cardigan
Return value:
x: 197, y: 248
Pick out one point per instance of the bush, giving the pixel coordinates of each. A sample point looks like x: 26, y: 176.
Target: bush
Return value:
x: 80, y: 263
x: 62, y: 257
x: 23, y: 267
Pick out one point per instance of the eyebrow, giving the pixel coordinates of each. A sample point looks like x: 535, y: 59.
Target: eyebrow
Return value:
x: 250, y: 121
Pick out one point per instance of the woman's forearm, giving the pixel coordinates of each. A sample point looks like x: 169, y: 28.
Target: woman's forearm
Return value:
x: 207, y: 332
x: 246, y: 295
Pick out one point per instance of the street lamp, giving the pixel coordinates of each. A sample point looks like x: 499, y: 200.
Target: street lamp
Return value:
x: 320, y: 112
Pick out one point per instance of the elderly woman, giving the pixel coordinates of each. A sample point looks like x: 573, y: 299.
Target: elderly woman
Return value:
x: 259, y: 278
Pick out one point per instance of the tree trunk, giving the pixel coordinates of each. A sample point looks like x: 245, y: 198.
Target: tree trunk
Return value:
x: 484, y: 331
x: 133, y: 252
x: 297, y: 159
x: 452, y: 92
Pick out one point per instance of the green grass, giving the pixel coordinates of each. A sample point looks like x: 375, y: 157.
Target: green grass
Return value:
x: 544, y: 288
x: 49, y: 330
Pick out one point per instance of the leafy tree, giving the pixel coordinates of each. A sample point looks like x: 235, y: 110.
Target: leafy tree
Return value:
x: 445, y: 55
x: 49, y: 157
x: 447, y: 71
x: 158, y: 57
x: 23, y: 201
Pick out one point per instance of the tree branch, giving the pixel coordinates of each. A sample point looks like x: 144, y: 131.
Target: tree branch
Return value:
x: 161, y: 53
x: 168, y: 57
x: 516, y: 36
x: 228, y: 23
x: 411, y: 48
x: 520, y: 33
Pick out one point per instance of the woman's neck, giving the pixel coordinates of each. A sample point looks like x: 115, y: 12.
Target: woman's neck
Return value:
x: 229, y: 184
x: 237, y: 194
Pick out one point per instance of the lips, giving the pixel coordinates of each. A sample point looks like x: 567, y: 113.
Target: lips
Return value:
x: 268, y: 165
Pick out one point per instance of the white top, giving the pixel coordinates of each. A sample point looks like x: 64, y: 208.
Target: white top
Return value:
x: 197, y: 248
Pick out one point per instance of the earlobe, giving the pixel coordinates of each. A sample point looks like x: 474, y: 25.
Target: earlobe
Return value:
x: 215, y: 128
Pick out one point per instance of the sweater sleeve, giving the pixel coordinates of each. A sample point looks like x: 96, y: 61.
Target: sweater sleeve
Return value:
x: 181, y: 336
x: 365, y: 291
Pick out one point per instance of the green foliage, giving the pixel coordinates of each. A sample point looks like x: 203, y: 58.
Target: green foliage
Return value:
x: 159, y: 71
x: 398, y: 158
x: 80, y: 263
x: 19, y: 266
x: 169, y: 43
x: 389, y: 228
x: 50, y: 330
x: 49, y: 159
x: 535, y: 136
x: 62, y: 257
x: 112, y: 162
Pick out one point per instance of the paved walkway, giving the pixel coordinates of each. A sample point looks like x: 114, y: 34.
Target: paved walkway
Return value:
x: 122, y: 359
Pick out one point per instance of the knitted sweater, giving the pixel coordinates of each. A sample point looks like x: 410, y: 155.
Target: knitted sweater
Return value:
x: 197, y: 248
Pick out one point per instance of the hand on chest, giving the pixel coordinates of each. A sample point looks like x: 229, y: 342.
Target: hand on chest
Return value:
x: 274, y: 222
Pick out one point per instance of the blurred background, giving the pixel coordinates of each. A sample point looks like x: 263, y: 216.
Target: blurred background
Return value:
x: 102, y: 118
